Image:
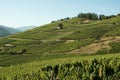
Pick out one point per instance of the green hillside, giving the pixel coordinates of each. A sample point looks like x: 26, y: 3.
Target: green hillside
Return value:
x: 76, y: 36
x: 67, y: 49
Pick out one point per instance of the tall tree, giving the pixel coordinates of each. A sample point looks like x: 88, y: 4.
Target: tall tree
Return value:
x: 101, y: 17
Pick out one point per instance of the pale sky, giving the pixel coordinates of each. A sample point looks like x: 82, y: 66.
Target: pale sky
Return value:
x: 16, y: 13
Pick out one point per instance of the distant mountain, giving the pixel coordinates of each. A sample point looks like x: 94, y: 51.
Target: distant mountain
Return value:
x: 24, y: 28
x: 4, y: 31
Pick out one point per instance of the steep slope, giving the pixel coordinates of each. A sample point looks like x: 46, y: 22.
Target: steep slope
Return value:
x: 75, y: 34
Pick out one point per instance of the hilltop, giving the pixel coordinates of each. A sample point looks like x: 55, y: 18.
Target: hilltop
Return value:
x: 69, y: 35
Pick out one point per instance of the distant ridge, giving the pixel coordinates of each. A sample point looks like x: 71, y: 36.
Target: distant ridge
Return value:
x: 24, y: 28
x: 4, y: 31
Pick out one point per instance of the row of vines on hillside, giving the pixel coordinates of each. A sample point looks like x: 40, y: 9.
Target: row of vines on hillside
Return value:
x: 96, y: 69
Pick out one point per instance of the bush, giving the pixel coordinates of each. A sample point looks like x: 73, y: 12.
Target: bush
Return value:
x: 115, y: 47
x: 60, y: 26
x: 102, y: 51
x: 23, y: 51
x: 13, y: 53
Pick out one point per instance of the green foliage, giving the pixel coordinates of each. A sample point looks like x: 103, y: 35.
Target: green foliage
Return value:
x: 6, y: 41
x: 49, y: 39
x: 60, y: 26
x: 94, y: 16
x: 115, y: 31
x: 91, y: 32
x: 91, y: 16
x: 97, y: 67
x: 43, y: 53
x: 101, y: 17
x: 102, y: 51
x: 115, y: 47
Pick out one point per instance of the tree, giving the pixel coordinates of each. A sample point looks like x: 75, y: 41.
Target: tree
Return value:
x: 118, y: 14
x: 67, y: 18
x: 60, y: 26
x: 22, y: 51
x: 94, y: 16
x: 111, y: 16
x: 91, y: 16
x: 81, y: 15
x: 101, y: 17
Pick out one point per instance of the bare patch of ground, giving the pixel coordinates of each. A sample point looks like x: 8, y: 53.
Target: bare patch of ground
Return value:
x: 97, y: 45
x: 9, y: 45
x: 69, y: 41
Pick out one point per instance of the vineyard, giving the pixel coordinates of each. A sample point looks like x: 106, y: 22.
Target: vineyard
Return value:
x: 67, y: 49
x: 94, y: 67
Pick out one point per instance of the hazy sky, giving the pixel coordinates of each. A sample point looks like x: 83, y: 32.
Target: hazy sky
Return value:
x: 16, y: 13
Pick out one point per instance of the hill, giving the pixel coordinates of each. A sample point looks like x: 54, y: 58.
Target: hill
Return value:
x: 4, y: 31
x: 77, y: 35
x: 71, y: 48
x: 24, y: 28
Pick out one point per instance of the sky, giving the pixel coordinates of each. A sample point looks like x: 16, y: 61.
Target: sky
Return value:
x: 17, y: 13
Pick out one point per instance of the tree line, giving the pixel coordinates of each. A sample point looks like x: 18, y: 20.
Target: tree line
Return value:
x: 90, y: 16
x: 94, y: 16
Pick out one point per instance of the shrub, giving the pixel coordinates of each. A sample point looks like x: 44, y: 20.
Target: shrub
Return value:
x: 23, y: 51
x: 115, y: 47
x: 102, y: 51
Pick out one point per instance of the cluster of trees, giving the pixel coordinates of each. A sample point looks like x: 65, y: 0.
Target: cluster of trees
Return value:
x: 67, y: 18
x: 90, y: 16
x: 94, y: 16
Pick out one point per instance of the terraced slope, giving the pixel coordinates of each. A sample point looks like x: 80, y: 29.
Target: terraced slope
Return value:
x: 76, y: 36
